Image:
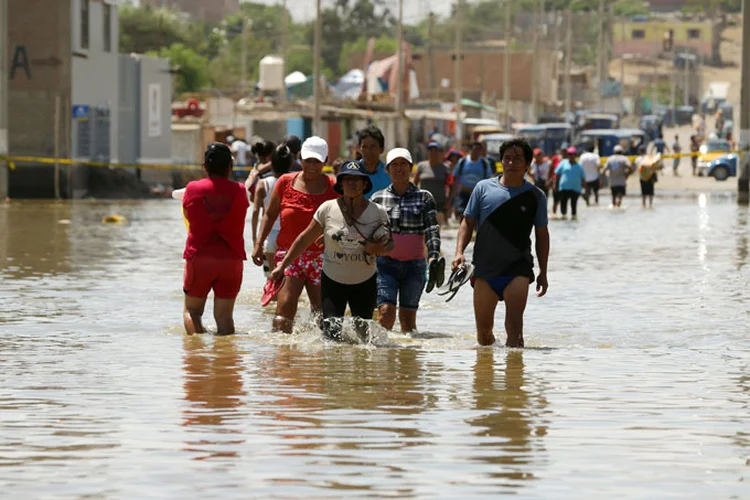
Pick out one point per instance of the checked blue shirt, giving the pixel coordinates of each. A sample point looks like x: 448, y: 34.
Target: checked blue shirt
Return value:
x: 413, y: 213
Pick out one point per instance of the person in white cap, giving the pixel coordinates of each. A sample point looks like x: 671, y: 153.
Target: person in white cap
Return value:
x: 296, y: 197
x: 618, y: 167
x: 413, y: 216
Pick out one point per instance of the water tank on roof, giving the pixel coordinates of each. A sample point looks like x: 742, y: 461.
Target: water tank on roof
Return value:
x: 271, y: 73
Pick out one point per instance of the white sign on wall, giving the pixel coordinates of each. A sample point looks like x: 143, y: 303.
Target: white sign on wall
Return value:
x: 154, y: 110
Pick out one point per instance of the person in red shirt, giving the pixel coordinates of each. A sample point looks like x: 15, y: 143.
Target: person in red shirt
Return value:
x: 296, y: 197
x: 215, y: 209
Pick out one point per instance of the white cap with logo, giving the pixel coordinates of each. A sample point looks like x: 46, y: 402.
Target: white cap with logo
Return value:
x: 396, y: 153
x: 314, y: 148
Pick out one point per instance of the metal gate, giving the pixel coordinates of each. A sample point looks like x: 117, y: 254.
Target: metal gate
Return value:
x: 92, y: 135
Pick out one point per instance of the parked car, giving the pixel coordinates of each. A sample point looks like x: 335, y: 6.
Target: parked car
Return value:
x: 712, y: 150
x: 684, y: 115
x: 549, y: 137
x: 598, y: 121
x: 651, y: 125
x: 723, y: 167
x: 606, y: 140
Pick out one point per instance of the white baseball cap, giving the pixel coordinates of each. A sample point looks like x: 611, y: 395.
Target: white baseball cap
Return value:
x: 315, y: 148
x: 396, y: 153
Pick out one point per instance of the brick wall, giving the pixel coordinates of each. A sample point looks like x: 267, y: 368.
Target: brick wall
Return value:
x: 483, y: 70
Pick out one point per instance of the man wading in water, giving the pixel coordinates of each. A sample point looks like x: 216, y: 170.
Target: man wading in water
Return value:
x: 506, y: 209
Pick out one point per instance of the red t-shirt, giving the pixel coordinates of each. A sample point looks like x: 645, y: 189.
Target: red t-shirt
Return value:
x: 298, y: 208
x: 215, y: 209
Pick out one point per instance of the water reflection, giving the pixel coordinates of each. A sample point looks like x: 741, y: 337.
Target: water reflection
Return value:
x: 39, y: 244
x: 214, y: 392
x: 511, y: 429
x: 313, y: 384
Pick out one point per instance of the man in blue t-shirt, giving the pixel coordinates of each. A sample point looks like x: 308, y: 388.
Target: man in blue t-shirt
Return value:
x: 505, y: 210
x: 659, y: 145
x: 372, y: 144
x: 467, y: 174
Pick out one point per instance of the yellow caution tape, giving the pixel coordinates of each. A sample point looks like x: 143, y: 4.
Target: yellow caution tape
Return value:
x: 13, y: 160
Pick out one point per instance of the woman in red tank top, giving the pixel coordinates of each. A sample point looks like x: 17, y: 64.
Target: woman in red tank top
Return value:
x: 295, y: 199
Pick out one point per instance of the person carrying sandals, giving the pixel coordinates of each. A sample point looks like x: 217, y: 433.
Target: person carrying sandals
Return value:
x: 504, y: 210
x: 355, y: 232
x: 413, y: 217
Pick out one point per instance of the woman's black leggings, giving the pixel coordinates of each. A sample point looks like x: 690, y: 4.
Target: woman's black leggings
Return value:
x: 361, y: 298
x: 571, y: 195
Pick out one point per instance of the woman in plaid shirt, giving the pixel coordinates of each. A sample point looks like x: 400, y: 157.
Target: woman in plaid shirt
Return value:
x: 413, y: 215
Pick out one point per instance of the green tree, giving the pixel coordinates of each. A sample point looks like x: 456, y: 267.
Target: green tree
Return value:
x: 144, y: 29
x: 191, y: 68
x: 348, y: 21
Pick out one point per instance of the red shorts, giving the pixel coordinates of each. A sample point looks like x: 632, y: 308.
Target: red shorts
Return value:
x: 202, y: 274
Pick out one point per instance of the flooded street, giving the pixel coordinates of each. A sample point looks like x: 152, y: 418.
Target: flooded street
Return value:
x: 635, y: 382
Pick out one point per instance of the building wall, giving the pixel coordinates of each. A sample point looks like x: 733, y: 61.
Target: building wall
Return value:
x: 653, y: 37
x: 130, y: 114
x: 39, y: 71
x: 213, y: 10
x: 155, y: 118
x: 96, y: 84
x: 482, y: 71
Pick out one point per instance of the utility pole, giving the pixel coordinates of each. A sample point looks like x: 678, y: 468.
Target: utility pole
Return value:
x: 57, y: 132
x: 458, y: 84
x: 655, y: 87
x: 622, y: 64
x: 431, y: 54
x: 243, y: 55
x: 400, y: 78
x: 284, y: 49
x: 3, y: 97
x: 506, y: 73
x: 535, y: 65
x: 316, y: 71
x: 568, y: 62
x: 743, y: 180
x: 600, y: 48
x: 672, y: 95
x: 686, y: 77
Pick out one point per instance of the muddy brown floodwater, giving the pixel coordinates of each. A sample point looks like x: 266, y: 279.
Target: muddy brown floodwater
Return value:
x: 635, y: 382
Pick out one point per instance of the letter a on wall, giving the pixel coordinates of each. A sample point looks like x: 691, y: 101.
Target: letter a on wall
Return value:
x: 20, y: 60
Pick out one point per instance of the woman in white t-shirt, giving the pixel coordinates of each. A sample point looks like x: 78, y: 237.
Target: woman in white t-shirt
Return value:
x: 355, y: 232
x: 281, y: 161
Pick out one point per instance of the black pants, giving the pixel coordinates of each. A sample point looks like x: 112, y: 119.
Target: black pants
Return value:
x: 571, y: 195
x: 542, y: 184
x: 591, y: 187
x: 361, y: 298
